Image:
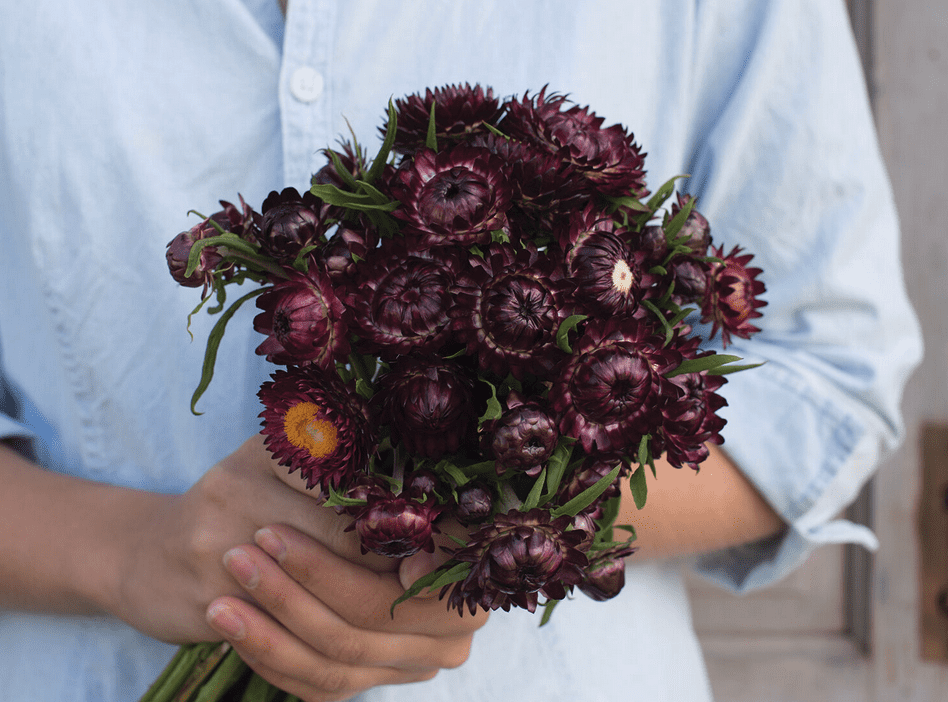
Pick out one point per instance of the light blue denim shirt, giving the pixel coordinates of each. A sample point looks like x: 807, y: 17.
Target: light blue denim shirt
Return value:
x: 117, y: 118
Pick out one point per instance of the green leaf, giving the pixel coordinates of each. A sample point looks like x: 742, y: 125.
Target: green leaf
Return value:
x: 533, y: 499
x: 344, y: 175
x: 724, y: 370
x: 548, y: 607
x: 587, y: 496
x: 663, y: 193
x: 678, y: 221
x: 703, y: 363
x: 213, y: 344
x: 556, y: 468
x: 363, y: 202
x: 431, y: 138
x: 364, y: 388
x: 638, y: 486
x: 494, y: 409
x: 450, y: 572
x: 337, y: 500
x: 629, y: 202
x: 644, y: 455
x: 659, y: 315
x: 568, y: 325
x: 494, y: 130
x: 375, y: 170
x: 456, y: 473
x: 228, y: 239
x: 499, y: 236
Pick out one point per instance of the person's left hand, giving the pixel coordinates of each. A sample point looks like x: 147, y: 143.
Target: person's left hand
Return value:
x: 320, y: 626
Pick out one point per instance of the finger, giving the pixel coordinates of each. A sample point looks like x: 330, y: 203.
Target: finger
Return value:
x: 279, y: 494
x: 310, y: 620
x: 287, y: 662
x: 366, y: 599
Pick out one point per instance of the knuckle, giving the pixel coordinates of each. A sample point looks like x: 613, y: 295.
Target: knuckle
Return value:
x: 456, y: 655
x: 330, y: 680
x: 349, y: 649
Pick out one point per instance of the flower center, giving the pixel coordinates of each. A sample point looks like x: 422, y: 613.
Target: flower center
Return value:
x: 622, y: 277
x: 305, y: 429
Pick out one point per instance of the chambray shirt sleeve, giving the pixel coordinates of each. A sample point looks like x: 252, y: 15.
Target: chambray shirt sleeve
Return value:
x: 788, y: 166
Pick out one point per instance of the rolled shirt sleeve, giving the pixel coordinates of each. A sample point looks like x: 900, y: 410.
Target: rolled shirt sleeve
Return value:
x: 789, y: 167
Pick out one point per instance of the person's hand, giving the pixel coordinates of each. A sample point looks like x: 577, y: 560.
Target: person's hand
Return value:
x: 169, y: 559
x: 320, y: 625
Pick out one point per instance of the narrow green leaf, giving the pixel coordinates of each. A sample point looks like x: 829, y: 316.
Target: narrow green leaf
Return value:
x: 587, y: 496
x: 337, y: 500
x: 663, y: 193
x: 556, y: 467
x: 431, y: 138
x: 494, y: 409
x: 213, y: 344
x: 725, y: 370
x: 456, y: 474
x: 548, y: 607
x: 702, y: 363
x: 638, y: 486
x: 375, y: 170
x: 533, y: 499
x: 644, y: 455
x: 231, y: 241
x: 364, y: 388
x: 629, y: 202
x: 344, y: 175
x: 452, y: 571
x: 494, y: 130
x: 669, y: 329
x: 678, y: 221
x: 568, y: 325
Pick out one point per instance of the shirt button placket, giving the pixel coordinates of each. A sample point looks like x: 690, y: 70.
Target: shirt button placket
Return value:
x: 304, y: 88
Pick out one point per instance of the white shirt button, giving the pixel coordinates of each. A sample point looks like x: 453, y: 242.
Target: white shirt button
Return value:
x: 306, y: 84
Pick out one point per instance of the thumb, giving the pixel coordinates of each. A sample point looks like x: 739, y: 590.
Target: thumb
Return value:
x: 422, y: 563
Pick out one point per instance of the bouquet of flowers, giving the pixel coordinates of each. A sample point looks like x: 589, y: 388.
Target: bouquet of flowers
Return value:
x: 490, y: 321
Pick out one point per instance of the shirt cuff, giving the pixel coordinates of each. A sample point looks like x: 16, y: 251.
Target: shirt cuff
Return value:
x: 808, y: 463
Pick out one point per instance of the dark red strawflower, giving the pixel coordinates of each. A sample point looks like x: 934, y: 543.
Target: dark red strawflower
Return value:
x: 604, y: 577
x: 607, y: 157
x: 317, y: 425
x: 427, y: 401
x: 305, y: 323
x: 609, y: 274
x: 396, y: 526
x: 696, y: 231
x: 523, y: 439
x: 179, y: 250
x: 590, y: 472
x: 400, y: 300
x: 544, y: 187
x: 508, y: 309
x: 691, y: 421
x: 732, y: 298
x: 475, y: 503
x: 455, y: 196
x: 609, y: 391
x: 291, y: 222
x: 516, y: 558
x: 461, y: 111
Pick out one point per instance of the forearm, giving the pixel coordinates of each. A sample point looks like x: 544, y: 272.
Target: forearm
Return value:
x: 60, y: 541
x: 688, y: 512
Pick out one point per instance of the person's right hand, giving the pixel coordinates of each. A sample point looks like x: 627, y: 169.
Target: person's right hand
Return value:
x: 169, y: 564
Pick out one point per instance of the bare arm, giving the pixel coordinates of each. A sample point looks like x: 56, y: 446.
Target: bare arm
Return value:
x: 688, y: 512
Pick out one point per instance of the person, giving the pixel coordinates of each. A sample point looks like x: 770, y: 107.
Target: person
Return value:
x: 121, y: 508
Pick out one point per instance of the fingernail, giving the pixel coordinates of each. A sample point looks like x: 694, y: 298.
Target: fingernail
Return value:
x: 271, y: 543
x: 223, y: 618
x: 240, y: 565
x: 417, y: 566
